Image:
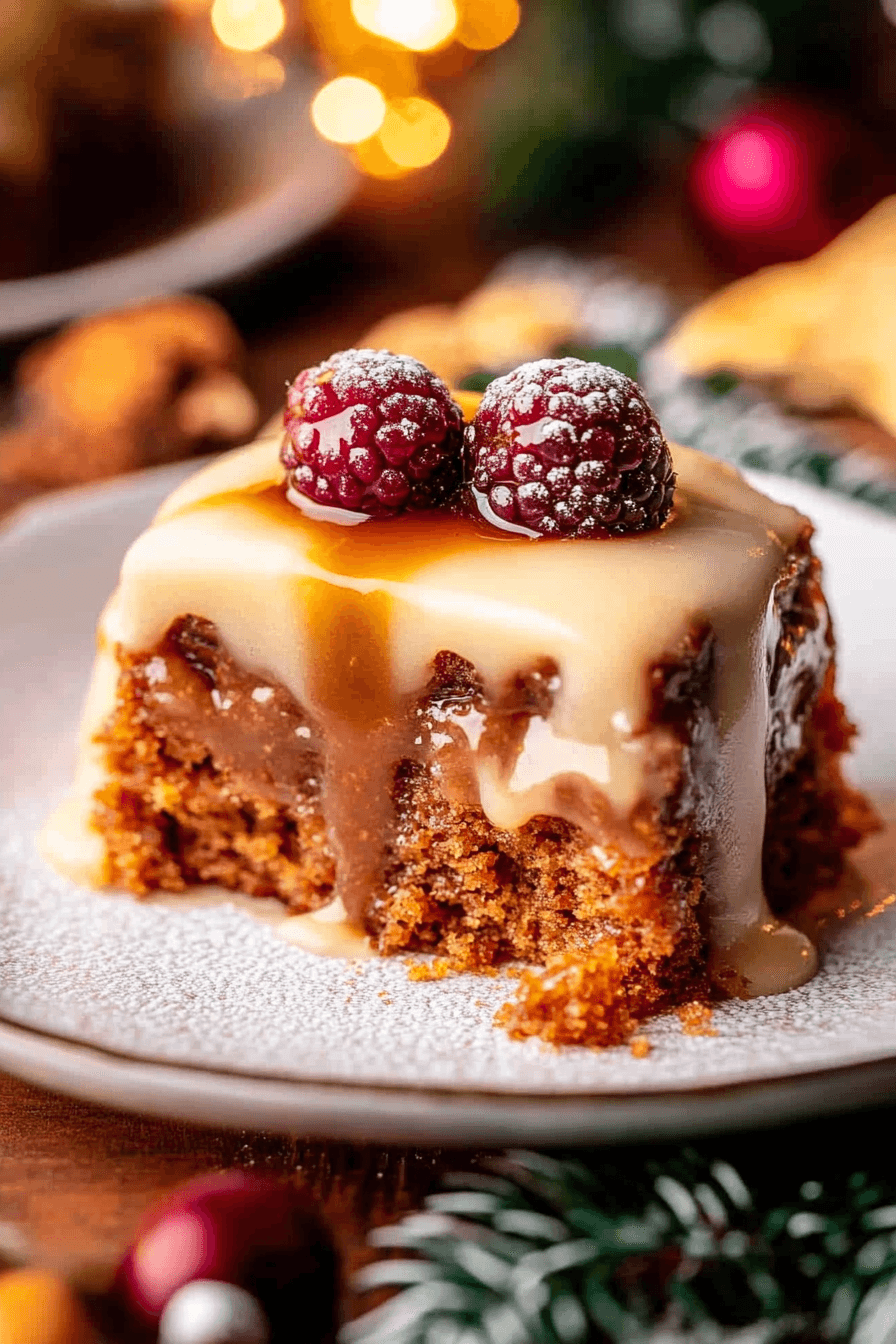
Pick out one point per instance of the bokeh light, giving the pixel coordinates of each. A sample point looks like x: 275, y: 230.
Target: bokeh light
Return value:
x: 486, y: 24
x: 348, y: 110
x: 373, y: 160
x: 236, y: 76
x: 759, y: 172
x: 248, y: 25
x: 415, y: 132
x: 382, y: 53
x: 734, y: 35
x: 653, y: 29
x: 753, y: 177
x: 420, y: 25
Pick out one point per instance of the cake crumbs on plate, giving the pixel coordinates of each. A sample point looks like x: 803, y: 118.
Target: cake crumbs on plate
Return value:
x: 696, y: 1019
x: 573, y: 1000
x: 429, y: 970
x: 640, y: 1047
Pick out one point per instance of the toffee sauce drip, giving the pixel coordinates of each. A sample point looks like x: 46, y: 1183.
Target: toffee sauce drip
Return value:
x: 366, y: 726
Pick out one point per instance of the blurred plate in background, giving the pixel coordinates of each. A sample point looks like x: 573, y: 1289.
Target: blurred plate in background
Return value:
x: 270, y: 181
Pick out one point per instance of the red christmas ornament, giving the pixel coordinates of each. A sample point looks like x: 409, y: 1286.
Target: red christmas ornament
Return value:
x: 260, y: 1234
x: 782, y: 178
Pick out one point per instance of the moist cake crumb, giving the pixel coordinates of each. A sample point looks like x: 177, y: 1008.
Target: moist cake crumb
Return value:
x: 195, y: 796
x: 696, y: 1019
x: 435, y: 969
x: 577, y: 999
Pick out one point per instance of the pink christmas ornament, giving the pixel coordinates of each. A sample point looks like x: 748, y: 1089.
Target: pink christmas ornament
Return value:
x: 782, y: 178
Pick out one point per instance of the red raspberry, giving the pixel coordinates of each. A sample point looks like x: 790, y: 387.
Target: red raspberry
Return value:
x: 373, y: 432
x: 565, y: 448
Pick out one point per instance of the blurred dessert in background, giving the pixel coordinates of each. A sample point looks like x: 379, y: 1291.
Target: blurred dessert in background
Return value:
x: 129, y: 389
x: 823, y: 329
x: 85, y: 163
x: 26, y: 93
x: 499, y: 325
x: 123, y: 125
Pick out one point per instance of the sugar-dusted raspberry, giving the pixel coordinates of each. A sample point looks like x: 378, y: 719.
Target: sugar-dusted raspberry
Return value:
x: 373, y: 432
x: 565, y: 448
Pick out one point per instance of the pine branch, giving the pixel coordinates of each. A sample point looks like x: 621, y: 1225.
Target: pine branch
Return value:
x: 547, y: 1251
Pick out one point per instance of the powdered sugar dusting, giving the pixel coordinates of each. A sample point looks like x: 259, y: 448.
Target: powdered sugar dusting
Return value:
x: 565, y: 447
x: 372, y: 432
x: 205, y: 982
x: 375, y: 371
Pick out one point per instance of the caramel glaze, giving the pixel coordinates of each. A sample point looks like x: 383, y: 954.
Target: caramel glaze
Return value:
x: 370, y: 728
x: 348, y: 618
x: 367, y: 729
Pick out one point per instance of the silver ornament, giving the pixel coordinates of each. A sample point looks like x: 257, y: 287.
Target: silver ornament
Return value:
x: 207, y: 1312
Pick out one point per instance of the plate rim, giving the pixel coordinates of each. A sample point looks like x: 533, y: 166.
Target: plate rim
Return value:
x: 29, y: 512
x: 376, y: 1113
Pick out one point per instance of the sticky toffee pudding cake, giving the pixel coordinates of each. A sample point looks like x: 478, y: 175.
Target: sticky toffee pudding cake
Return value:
x: 539, y: 692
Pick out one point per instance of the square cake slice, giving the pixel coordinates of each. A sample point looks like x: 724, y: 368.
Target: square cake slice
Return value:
x: 610, y: 753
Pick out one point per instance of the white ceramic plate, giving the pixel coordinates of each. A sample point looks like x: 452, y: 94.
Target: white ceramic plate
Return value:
x: 197, y: 1008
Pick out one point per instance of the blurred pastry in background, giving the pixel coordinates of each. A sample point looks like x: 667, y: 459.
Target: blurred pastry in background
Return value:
x: 502, y: 324
x: 824, y: 329
x: 127, y: 389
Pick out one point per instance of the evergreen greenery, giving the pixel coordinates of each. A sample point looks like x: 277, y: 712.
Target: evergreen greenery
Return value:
x: 547, y: 1250
x: 618, y: 82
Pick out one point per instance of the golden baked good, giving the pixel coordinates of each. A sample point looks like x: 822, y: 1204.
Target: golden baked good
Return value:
x: 824, y: 327
x: 605, y: 744
x: 127, y: 389
x: 500, y: 325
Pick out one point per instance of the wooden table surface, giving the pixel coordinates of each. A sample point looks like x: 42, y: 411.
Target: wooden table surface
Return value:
x: 75, y: 1178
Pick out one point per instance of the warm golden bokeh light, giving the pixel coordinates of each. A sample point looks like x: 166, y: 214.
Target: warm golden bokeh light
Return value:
x: 348, y: 110
x: 248, y: 25
x: 235, y: 76
x: 415, y: 132
x: 189, y: 8
x: 373, y: 160
x: 487, y: 23
x: 392, y: 47
x: 420, y: 25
